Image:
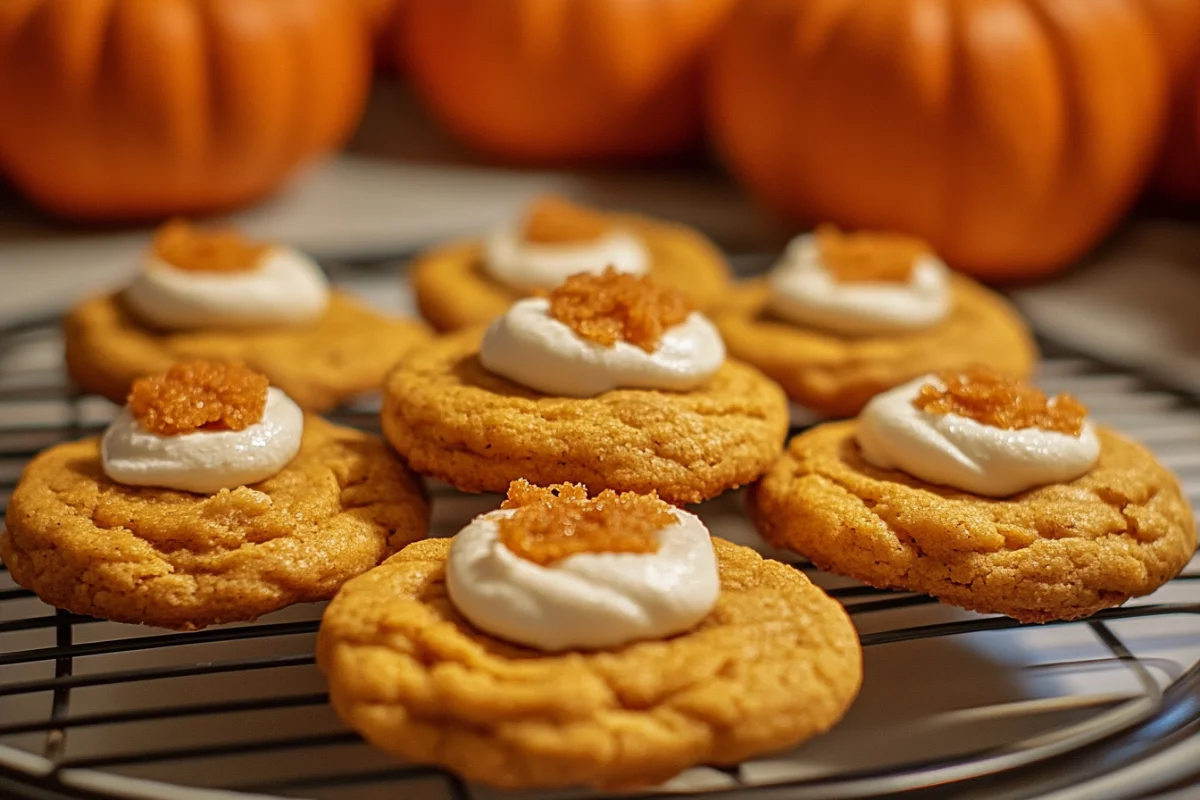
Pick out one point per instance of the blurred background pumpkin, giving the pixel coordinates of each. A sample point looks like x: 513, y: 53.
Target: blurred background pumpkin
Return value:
x: 563, y: 80
x: 1178, y: 24
x: 383, y: 17
x: 1012, y: 134
x: 148, y: 108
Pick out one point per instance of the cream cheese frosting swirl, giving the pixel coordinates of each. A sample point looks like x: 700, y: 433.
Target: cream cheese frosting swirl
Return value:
x: 204, y: 461
x: 804, y: 291
x: 528, y: 266
x: 529, y: 346
x: 285, y: 287
x: 586, y: 600
x: 963, y: 453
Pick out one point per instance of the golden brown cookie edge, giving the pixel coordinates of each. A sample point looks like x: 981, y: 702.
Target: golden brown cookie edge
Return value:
x: 503, y: 763
x: 786, y: 521
x: 27, y: 518
x: 835, y: 376
x: 106, y: 350
x: 452, y: 294
x: 435, y: 448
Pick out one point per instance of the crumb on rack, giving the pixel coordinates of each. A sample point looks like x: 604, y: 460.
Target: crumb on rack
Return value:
x: 553, y: 220
x: 557, y: 521
x: 616, y: 306
x: 998, y: 399
x: 199, y: 395
x: 869, y: 257
x: 187, y: 247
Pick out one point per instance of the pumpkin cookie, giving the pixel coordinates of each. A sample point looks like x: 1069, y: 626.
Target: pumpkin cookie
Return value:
x: 610, y: 381
x: 473, y: 282
x: 638, y: 650
x: 211, y: 499
x: 215, y: 295
x: 981, y: 491
x: 844, y: 317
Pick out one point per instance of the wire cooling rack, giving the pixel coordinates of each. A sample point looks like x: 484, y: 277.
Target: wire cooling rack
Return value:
x: 954, y: 704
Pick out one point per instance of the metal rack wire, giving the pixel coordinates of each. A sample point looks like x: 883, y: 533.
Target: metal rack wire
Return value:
x: 92, y: 709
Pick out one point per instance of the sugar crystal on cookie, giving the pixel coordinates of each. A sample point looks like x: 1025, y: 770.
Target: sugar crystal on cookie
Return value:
x: 1000, y: 400
x: 554, y: 522
x: 219, y: 250
x: 869, y: 257
x: 615, y: 306
x: 553, y: 220
x: 199, y: 395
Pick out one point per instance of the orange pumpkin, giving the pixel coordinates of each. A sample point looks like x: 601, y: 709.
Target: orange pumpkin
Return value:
x: 1178, y: 24
x: 382, y: 19
x: 1011, y: 134
x: 562, y: 80
x: 117, y: 109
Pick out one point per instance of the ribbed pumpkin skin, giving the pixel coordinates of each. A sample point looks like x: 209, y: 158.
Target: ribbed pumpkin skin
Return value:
x: 562, y: 80
x: 1178, y: 24
x: 125, y: 109
x: 1012, y: 134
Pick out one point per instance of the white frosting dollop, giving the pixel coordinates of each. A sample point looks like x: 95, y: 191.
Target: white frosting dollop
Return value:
x: 962, y: 453
x: 527, y: 266
x: 285, y: 288
x: 805, y: 292
x: 587, y: 600
x: 204, y: 462
x: 529, y: 346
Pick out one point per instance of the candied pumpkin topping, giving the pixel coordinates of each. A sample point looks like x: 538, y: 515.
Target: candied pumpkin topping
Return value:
x: 553, y: 220
x: 199, y: 395
x: 215, y: 250
x: 616, y: 306
x: 869, y: 257
x: 1001, y: 400
x: 557, y: 521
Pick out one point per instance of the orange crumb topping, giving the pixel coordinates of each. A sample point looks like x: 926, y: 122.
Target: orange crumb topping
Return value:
x: 617, y: 306
x: 220, y: 250
x: 558, y: 521
x: 1000, y: 400
x: 199, y: 395
x: 553, y: 220
x: 869, y: 257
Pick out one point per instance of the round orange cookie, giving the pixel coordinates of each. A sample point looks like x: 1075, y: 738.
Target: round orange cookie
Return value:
x: 453, y: 290
x: 1056, y: 552
x: 348, y: 352
x: 452, y: 419
x: 774, y: 663
x: 179, y: 560
x: 836, y: 376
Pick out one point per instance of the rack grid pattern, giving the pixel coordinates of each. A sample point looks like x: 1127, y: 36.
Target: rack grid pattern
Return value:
x: 92, y: 709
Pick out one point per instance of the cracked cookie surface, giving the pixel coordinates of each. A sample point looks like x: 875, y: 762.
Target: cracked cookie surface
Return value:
x: 776, y: 662
x: 835, y: 376
x: 454, y: 420
x: 1057, y: 552
x: 347, y: 353
x: 454, y: 292
x: 179, y: 560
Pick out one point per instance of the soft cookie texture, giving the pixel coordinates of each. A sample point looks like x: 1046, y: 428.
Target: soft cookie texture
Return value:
x: 453, y: 290
x: 776, y: 662
x: 1057, y: 552
x: 454, y: 420
x: 348, y: 352
x: 179, y: 560
x: 836, y: 375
